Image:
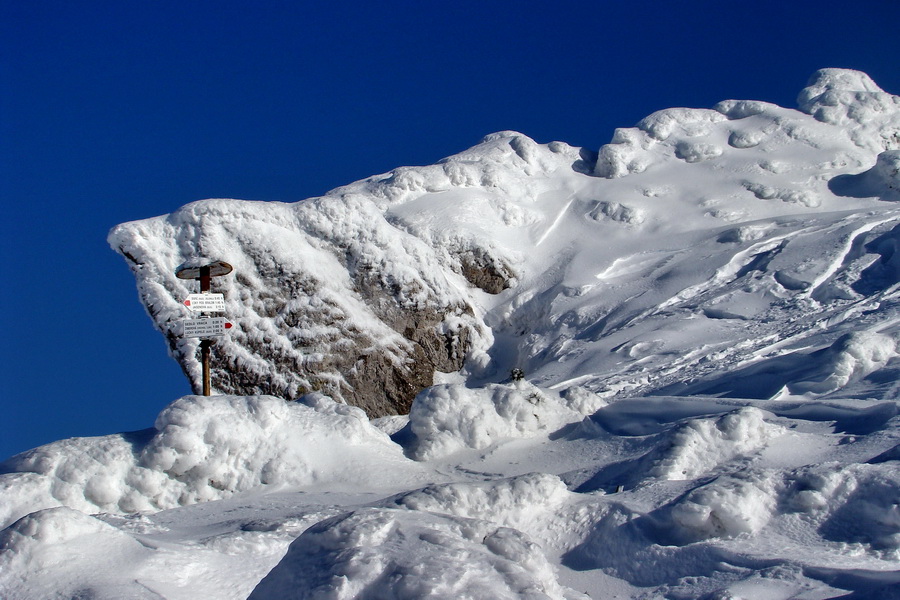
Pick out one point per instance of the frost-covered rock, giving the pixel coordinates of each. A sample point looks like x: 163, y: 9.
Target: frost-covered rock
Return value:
x: 325, y: 295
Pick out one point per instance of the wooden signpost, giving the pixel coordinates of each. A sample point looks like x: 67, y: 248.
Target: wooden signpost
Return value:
x: 205, y: 327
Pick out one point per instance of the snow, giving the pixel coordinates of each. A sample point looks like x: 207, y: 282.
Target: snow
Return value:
x: 413, y: 554
x: 202, y: 449
x: 707, y: 319
x: 447, y: 418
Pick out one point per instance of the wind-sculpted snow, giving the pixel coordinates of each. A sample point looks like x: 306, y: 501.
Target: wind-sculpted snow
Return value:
x: 448, y: 418
x: 666, y: 369
x: 202, y: 448
x: 665, y: 496
x: 383, y: 553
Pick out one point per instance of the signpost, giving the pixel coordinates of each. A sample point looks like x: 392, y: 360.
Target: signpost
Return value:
x: 202, y: 303
x: 205, y: 327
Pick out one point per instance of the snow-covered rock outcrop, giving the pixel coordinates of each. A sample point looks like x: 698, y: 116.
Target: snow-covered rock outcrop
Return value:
x: 683, y: 249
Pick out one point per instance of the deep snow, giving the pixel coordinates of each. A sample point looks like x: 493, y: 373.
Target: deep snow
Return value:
x: 706, y: 312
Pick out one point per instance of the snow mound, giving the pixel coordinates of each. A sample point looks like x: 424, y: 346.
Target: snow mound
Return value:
x: 402, y: 554
x: 69, y: 544
x: 727, y: 507
x: 701, y: 444
x: 685, y: 449
x: 516, y: 502
x: 843, y: 96
x: 203, y: 448
x: 448, y: 418
x: 851, y: 357
x: 852, y: 504
x: 882, y: 180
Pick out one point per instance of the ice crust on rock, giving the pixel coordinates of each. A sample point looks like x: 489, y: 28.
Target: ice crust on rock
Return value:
x: 702, y: 317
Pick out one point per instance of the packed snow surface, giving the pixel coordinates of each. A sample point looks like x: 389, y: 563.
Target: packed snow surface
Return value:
x: 705, y: 312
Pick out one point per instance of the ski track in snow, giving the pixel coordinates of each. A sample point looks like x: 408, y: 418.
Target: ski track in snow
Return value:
x: 559, y: 217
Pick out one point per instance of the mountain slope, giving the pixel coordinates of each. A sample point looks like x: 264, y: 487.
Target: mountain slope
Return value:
x: 680, y: 249
x: 706, y: 315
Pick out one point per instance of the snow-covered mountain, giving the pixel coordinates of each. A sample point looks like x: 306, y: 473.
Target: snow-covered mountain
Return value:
x: 707, y: 316
x: 698, y: 244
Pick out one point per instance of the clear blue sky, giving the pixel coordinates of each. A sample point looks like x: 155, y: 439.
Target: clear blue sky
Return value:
x: 115, y: 111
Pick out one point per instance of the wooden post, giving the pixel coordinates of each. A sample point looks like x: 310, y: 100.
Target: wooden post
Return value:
x: 205, y: 345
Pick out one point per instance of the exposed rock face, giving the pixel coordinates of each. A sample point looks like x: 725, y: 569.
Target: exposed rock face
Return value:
x: 485, y: 273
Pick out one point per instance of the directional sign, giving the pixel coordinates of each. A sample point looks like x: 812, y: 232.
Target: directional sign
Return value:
x: 205, y: 328
x: 206, y: 302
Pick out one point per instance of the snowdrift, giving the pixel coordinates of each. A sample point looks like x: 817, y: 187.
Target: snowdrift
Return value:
x: 706, y: 314
x: 204, y: 448
x: 677, y: 497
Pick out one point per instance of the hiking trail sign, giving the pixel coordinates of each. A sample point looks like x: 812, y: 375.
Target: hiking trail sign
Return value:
x: 205, y: 327
x: 202, y: 303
